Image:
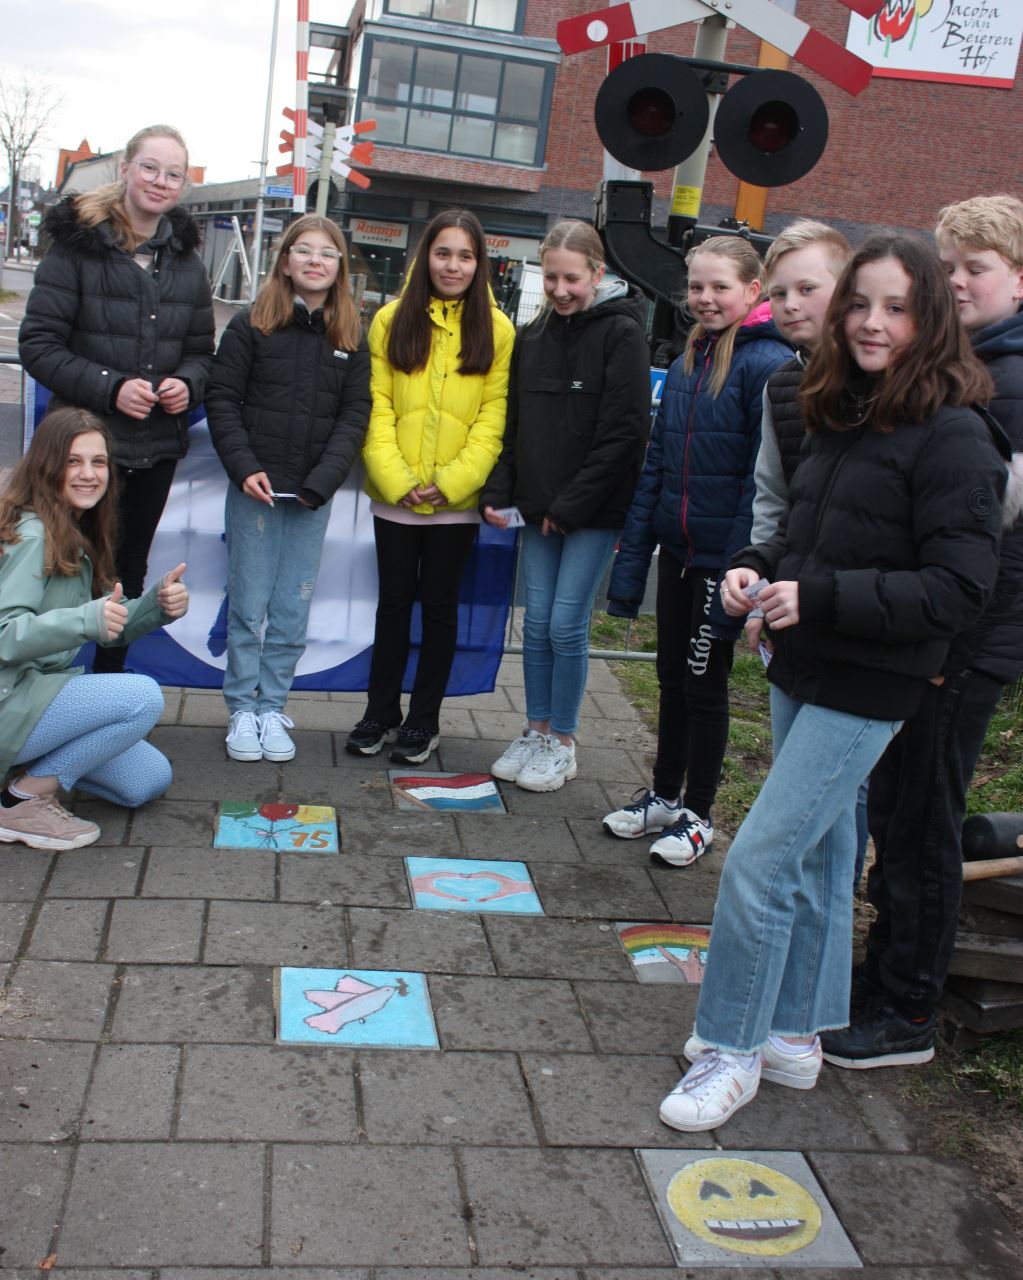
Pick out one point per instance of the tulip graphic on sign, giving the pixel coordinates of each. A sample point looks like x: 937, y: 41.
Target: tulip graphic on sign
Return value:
x: 897, y: 18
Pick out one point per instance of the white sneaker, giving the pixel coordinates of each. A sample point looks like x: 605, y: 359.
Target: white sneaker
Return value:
x: 243, y: 737
x: 273, y: 736
x: 550, y: 766
x: 680, y: 845
x: 646, y: 813
x: 797, y: 1070
x: 711, y: 1092
x: 510, y: 764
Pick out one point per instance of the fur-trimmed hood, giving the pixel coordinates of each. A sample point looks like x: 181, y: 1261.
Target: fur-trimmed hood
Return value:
x: 66, y: 228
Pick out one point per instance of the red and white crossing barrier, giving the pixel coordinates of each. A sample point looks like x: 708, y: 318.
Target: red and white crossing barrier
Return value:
x: 761, y: 17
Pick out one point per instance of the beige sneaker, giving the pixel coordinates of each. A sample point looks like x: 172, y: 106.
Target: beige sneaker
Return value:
x: 44, y: 823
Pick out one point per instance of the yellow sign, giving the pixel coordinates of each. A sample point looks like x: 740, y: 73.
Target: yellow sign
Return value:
x: 685, y: 202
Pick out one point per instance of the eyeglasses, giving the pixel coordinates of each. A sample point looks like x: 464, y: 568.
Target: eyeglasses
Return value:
x: 174, y: 178
x: 306, y: 251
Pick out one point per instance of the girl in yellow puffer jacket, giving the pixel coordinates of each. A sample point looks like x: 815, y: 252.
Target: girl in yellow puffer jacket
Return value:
x: 440, y: 359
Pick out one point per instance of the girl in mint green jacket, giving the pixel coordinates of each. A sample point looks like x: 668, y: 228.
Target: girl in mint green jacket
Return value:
x: 58, y: 727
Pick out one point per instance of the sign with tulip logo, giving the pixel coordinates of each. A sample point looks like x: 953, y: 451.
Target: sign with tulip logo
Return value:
x: 958, y: 41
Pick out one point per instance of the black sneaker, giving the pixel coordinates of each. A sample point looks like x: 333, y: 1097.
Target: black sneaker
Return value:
x: 414, y: 746
x: 368, y: 737
x: 881, y: 1037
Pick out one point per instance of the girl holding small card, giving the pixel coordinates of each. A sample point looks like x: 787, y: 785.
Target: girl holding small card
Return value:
x: 578, y: 420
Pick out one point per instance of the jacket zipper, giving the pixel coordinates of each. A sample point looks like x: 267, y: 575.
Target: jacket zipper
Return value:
x: 683, y: 513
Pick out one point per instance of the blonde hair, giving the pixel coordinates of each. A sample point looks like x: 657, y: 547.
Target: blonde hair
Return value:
x: 576, y: 237
x: 274, y: 307
x: 748, y: 268
x: 801, y: 235
x: 106, y: 203
x: 986, y: 222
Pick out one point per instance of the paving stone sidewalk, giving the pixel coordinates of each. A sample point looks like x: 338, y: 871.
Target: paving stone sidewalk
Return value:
x: 151, y: 1129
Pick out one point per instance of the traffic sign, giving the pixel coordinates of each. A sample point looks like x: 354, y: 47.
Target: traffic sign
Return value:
x: 761, y: 17
x: 280, y: 191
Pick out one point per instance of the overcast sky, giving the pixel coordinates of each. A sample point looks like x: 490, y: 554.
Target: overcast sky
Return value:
x: 200, y: 65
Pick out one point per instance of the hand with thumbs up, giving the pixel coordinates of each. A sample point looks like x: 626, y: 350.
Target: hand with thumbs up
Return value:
x: 115, y: 613
x: 173, y: 594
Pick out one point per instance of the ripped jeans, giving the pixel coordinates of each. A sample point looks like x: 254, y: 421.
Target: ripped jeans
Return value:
x: 273, y: 560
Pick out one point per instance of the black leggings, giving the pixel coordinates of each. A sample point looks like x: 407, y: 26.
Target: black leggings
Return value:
x: 143, y: 496
x: 692, y: 671
x: 413, y: 560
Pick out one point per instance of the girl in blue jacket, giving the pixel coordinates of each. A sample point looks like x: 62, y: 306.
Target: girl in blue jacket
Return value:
x: 695, y: 499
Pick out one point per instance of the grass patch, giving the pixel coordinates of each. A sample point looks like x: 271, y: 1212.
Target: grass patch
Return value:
x: 8, y: 295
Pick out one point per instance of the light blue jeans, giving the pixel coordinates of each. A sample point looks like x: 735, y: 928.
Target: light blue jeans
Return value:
x: 560, y: 574
x: 91, y: 737
x: 781, y: 940
x: 273, y: 560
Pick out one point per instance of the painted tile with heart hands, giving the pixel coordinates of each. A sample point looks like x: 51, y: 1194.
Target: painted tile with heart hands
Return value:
x: 470, y: 884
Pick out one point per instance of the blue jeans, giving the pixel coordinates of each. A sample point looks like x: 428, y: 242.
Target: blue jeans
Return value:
x: 91, y: 737
x: 560, y: 574
x: 273, y: 560
x: 781, y: 939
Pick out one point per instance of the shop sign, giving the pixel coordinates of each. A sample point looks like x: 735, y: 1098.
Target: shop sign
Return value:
x: 391, y: 235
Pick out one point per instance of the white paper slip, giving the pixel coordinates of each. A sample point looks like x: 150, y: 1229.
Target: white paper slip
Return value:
x: 512, y: 514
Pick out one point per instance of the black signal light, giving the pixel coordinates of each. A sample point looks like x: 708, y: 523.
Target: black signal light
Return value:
x: 771, y: 128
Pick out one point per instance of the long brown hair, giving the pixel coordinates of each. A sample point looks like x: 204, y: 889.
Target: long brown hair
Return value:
x: 411, y: 335
x: 37, y: 484
x: 274, y: 307
x: 106, y: 204
x: 938, y: 367
x: 748, y: 268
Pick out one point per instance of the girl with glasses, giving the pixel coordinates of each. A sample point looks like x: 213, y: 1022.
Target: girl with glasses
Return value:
x: 120, y: 322
x: 440, y: 385
x: 287, y: 405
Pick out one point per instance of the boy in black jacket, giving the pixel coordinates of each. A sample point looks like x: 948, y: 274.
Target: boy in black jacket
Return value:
x: 918, y: 789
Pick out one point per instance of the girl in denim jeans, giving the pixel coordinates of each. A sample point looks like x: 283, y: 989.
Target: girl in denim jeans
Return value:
x: 578, y: 415
x: 888, y: 549
x: 288, y: 405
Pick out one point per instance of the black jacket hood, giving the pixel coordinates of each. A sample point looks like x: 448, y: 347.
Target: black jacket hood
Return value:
x: 65, y: 227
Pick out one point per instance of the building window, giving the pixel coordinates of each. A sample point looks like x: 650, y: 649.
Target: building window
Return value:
x: 498, y: 15
x: 466, y: 104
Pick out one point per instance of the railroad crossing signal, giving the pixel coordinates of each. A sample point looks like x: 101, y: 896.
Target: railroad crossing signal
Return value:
x: 771, y: 127
x: 345, y: 148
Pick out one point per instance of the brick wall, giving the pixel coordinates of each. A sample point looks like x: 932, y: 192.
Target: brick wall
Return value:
x: 896, y: 153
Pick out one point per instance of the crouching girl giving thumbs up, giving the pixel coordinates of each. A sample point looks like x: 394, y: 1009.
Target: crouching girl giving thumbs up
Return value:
x: 59, y: 728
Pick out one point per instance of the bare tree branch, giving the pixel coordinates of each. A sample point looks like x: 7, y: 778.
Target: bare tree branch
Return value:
x: 27, y: 106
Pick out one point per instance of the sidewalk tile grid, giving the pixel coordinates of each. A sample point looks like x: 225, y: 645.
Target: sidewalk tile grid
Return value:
x: 152, y: 1128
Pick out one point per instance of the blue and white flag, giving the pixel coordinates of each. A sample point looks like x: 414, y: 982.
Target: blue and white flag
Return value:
x: 341, y: 621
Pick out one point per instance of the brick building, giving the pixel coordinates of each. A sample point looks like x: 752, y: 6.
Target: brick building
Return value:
x: 475, y: 105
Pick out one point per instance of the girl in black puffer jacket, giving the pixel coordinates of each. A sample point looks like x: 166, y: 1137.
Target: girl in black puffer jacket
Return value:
x: 889, y: 549
x: 578, y: 416
x: 288, y: 406
x: 120, y: 322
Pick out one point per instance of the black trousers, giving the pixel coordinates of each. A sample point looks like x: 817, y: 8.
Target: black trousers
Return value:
x: 692, y: 671
x: 143, y: 496
x: 915, y: 809
x: 424, y: 561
